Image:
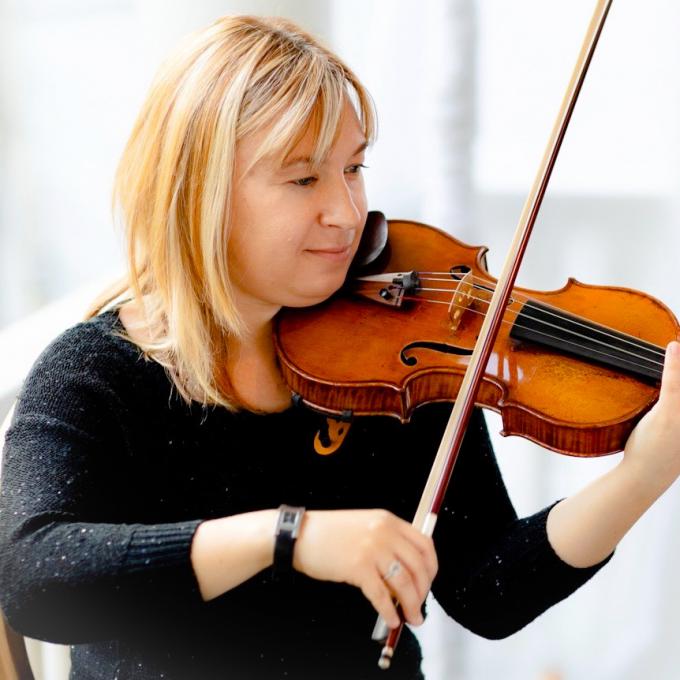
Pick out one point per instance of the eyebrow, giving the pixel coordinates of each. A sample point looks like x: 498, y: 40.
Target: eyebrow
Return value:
x: 307, y: 159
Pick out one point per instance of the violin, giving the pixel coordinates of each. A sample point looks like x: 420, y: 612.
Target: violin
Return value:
x: 572, y: 369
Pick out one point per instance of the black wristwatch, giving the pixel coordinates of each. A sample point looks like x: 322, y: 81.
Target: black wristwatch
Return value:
x: 287, y: 531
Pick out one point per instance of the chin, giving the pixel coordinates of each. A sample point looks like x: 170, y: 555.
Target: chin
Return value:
x: 310, y: 298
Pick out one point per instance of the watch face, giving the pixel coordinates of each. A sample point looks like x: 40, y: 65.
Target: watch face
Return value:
x: 289, y: 521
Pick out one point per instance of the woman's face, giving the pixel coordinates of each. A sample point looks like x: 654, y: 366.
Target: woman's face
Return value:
x: 294, y: 231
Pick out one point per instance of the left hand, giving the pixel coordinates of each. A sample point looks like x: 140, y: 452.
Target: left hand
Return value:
x: 652, y: 452
x: 584, y: 528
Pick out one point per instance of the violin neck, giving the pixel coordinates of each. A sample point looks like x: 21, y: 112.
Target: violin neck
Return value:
x: 580, y: 337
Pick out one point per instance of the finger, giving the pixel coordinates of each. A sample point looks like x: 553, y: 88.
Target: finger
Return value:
x: 670, y: 380
x: 412, y: 559
x: 376, y: 592
x: 400, y: 582
x: 425, y: 545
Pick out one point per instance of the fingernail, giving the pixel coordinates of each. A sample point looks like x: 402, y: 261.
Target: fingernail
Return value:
x: 674, y: 349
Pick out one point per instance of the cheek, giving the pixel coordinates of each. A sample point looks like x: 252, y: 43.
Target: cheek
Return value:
x: 259, y: 231
x: 361, y: 200
x: 264, y: 257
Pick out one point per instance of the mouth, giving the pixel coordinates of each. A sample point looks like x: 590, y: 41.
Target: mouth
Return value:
x: 332, y: 254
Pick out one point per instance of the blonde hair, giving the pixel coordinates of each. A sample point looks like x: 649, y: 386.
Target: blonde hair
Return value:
x: 173, y: 184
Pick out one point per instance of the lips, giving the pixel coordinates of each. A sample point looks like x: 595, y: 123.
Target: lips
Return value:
x: 332, y: 249
x: 337, y: 253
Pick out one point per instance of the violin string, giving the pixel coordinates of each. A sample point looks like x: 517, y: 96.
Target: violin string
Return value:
x: 582, y: 335
x: 544, y: 334
x: 554, y: 311
x: 548, y: 335
x: 548, y: 309
x: 630, y: 340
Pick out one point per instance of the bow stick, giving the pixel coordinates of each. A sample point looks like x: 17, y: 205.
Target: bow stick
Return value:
x: 440, y: 474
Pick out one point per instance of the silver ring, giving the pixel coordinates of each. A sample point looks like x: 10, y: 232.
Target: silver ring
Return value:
x: 392, y: 570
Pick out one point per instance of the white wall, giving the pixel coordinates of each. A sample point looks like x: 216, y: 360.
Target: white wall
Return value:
x: 625, y: 123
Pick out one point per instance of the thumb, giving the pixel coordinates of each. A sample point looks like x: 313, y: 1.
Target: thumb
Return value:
x: 670, y: 381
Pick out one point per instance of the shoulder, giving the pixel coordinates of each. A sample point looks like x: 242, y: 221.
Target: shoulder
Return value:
x: 92, y: 345
x: 87, y: 365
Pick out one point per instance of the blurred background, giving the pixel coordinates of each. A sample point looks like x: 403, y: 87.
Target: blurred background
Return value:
x: 466, y: 92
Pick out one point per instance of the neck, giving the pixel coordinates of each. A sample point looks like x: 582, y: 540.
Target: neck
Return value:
x: 257, y: 339
x: 252, y: 365
x: 257, y: 318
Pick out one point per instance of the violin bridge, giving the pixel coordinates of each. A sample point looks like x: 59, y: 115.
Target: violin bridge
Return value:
x: 460, y: 300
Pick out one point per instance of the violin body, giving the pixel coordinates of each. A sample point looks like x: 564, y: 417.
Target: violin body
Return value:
x: 353, y: 355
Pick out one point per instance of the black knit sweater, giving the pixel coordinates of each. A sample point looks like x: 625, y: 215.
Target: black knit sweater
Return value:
x: 107, y: 474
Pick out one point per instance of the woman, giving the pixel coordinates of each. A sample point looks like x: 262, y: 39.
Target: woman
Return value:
x: 153, y: 445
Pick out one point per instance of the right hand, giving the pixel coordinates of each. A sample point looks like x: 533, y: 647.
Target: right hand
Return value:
x: 358, y: 547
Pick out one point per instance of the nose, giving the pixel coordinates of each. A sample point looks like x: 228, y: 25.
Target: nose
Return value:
x: 344, y: 204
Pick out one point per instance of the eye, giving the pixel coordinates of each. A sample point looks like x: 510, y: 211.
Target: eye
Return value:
x: 304, y: 181
x: 355, y: 169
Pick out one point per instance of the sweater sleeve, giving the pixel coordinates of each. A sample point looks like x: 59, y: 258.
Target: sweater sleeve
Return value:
x: 71, y: 569
x: 497, y: 572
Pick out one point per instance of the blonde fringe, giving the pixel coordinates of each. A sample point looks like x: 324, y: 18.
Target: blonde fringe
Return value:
x: 172, y: 187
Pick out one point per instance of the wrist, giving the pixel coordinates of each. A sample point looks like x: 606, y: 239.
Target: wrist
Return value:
x: 266, y: 537
x: 228, y: 550
x: 640, y: 479
x: 651, y: 460
x: 306, y: 529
